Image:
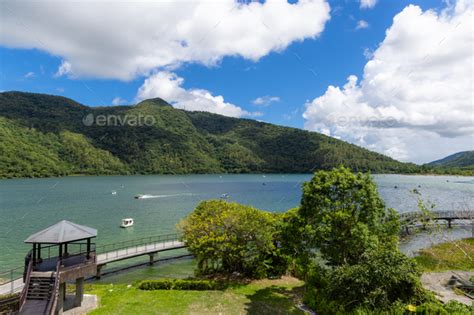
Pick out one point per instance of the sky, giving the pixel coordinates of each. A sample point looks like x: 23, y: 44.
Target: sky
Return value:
x: 395, y: 77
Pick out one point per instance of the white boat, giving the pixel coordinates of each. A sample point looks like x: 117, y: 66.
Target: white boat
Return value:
x: 114, y: 192
x: 126, y: 222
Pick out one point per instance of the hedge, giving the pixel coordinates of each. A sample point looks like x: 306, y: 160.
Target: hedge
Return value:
x: 180, y: 284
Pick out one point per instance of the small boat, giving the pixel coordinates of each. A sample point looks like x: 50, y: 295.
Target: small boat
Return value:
x: 138, y: 196
x: 224, y: 196
x: 127, y: 223
x: 114, y: 192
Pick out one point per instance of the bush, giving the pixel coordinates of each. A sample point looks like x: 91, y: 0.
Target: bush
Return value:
x: 231, y: 238
x: 180, y: 284
x: 381, y: 278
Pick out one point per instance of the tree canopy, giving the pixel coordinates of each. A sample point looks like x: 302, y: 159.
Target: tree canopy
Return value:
x: 229, y: 237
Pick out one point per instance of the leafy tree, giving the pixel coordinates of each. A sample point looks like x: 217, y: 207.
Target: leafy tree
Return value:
x: 345, y: 215
x: 361, y: 266
x: 380, y: 278
x: 228, y: 237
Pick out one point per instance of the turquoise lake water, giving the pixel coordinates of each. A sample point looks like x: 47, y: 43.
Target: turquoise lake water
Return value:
x: 29, y: 205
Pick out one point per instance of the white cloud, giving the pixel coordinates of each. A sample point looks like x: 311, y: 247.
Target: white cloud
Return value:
x: 415, y: 100
x: 265, y: 100
x: 168, y: 86
x: 126, y: 39
x: 64, y: 69
x: 361, y: 24
x: 118, y: 101
x: 29, y: 75
x: 367, y: 4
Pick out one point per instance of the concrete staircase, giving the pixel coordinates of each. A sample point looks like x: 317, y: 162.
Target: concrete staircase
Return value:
x: 39, y: 294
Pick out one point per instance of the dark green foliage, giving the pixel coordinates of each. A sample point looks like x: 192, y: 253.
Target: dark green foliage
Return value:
x: 360, y: 266
x: 178, y: 142
x: 180, y: 284
x: 231, y: 238
x: 345, y: 216
x: 377, y: 280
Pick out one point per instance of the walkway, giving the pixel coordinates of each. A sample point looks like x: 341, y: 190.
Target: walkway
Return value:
x: 110, y: 253
x: 135, y: 251
x: 436, y: 282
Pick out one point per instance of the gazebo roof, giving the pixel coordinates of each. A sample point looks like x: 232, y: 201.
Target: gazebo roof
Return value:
x: 62, y: 232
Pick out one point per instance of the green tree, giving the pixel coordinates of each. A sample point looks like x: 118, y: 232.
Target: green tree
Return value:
x: 345, y: 216
x: 357, y: 236
x: 228, y: 237
x: 380, y: 278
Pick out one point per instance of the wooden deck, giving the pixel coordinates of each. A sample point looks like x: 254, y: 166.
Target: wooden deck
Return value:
x: 112, y: 255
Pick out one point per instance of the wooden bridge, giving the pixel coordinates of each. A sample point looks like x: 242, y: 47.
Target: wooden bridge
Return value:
x: 105, y: 254
x: 410, y: 218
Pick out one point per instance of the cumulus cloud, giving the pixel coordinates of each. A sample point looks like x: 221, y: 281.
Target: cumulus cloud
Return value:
x: 118, y: 101
x: 361, y: 24
x: 415, y: 100
x: 168, y: 86
x: 125, y: 39
x: 265, y: 100
x: 367, y: 4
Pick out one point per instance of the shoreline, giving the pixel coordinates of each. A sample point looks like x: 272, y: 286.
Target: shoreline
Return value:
x: 221, y: 174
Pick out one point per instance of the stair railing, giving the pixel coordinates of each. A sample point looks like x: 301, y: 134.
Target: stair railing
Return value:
x: 55, y: 292
x: 24, y: 292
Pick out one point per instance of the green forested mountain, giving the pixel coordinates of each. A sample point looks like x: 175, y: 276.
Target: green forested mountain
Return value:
x: 460, y: 159
x: 458, y: 163
x: 43, y: 135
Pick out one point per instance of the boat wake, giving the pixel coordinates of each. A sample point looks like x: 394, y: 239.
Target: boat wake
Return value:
x: 163, y: 196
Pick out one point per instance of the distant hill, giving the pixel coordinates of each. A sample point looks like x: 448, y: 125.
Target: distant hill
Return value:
x: 460, y: 159
x: 44, y: 135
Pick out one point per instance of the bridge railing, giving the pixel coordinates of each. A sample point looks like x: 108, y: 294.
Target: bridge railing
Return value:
x: 8, y: 277
x: 136, y: 243
x: 445, y: 214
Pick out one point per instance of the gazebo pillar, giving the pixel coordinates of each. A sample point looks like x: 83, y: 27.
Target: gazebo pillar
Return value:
x: 88, y: 248
x: 39, y: 252
x: 34, y: 254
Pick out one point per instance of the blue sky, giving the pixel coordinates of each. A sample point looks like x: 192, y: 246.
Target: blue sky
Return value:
x: 296, y: 75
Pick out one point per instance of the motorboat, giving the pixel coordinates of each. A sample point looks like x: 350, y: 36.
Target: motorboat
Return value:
x: 127, y: 222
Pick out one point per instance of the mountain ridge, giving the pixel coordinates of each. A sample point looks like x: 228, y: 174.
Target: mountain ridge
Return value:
x: 458, y: 159
x: 53, y: 130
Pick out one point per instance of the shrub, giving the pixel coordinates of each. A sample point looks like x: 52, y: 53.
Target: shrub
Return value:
x: 180, y: 284
x: 231, y: 238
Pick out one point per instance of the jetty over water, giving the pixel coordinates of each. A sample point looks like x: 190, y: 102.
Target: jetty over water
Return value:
x: 412, y: 218
x: 68, y: 258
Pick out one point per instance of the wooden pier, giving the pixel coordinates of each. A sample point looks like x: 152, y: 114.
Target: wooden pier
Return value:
x: 410, y: 218
x: 103, y: 255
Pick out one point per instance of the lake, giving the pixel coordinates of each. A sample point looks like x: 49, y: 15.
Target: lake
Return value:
x: 29, y: 205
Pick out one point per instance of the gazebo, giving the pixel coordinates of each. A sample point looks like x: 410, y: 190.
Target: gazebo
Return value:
x: 66, y: 237
x: 61, y: 253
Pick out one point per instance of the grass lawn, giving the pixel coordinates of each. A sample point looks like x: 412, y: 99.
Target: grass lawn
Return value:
x: 448, y: 256
x: 258, y: 297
